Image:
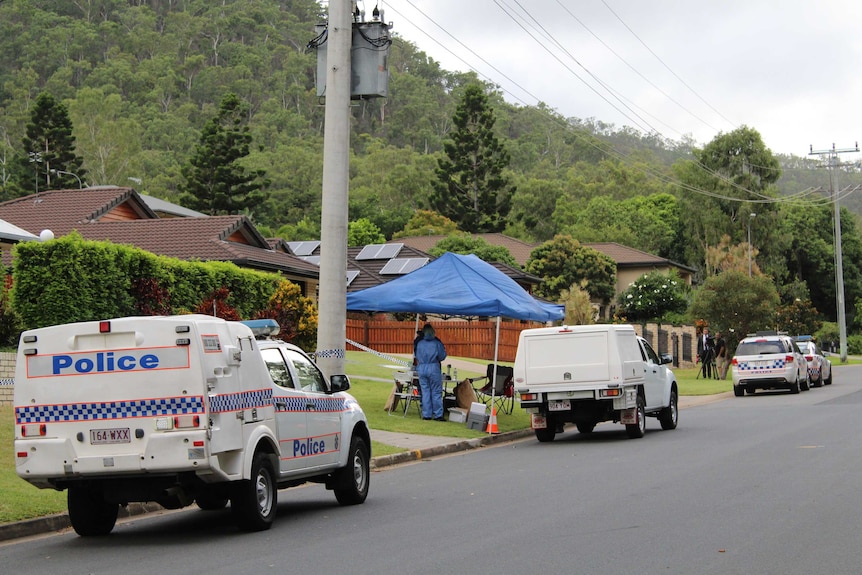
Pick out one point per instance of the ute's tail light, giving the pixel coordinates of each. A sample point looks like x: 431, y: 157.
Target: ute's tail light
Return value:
x: 529, y: 397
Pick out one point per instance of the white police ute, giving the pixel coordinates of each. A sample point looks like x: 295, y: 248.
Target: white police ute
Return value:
x: 180, y: 410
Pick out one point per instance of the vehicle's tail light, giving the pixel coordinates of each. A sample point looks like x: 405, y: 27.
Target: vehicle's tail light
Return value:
x: 185, y: 421
x: 529, y: 396
x: 789, y: 358
x: 734, y: 361
x: 809, y: 357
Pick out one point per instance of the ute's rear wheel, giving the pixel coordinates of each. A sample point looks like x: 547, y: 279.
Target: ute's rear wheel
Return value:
x: 211, y: 501
x: 253, y: 502
x: 585, y: 426
x: 638, y: 429
x: 89, y: 513
x: 351, y: 481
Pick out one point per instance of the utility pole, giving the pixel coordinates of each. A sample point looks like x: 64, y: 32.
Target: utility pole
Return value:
x: 839, y: 258
x: 332, y: 325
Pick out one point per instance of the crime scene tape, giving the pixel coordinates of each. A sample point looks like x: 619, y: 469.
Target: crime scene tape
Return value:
x: 378, y: 354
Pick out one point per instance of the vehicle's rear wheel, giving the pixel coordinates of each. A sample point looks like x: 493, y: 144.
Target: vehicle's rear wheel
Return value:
x: 253, y: 502
x: 819, y: 381
x: 738, y: 390
x: 89, y: 513
x: 794, y: 388
x: 669, y: 416
x: 638, y: 429
x: 585, y: 426
x: 828, y: 379
x: 211, y: 501
x: 805, y: 384
x: 351, y: 482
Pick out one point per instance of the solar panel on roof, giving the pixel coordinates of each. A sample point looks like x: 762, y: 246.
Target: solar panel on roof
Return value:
x: 303, y: 248
x: 351, y: 275
x: 401, y: 266
x: 379, y: 251
x: 311, y: 259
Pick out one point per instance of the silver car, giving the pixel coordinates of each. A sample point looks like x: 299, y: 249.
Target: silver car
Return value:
x: 768, y: 361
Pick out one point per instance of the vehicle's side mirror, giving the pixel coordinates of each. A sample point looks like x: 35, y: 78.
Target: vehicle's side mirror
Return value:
x: 339, y: 383
x: 665, y: 358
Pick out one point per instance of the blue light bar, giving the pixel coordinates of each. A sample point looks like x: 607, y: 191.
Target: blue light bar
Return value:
x: 263, y: 327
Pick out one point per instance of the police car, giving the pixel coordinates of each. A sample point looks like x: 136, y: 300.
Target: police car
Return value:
x: 181, y: 409
x: 768, y: 360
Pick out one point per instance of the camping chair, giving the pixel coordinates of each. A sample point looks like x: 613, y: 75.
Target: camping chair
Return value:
x: 501, y: 386
x: 406, y: 390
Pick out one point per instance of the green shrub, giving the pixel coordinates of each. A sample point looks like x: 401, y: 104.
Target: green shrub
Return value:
x: 71, y: 279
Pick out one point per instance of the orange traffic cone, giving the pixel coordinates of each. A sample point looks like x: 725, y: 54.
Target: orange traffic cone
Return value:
x: 492, y: 423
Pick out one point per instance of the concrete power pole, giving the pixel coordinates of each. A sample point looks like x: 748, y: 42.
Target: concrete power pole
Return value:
x: 332, y: 323
x: 839, y: 258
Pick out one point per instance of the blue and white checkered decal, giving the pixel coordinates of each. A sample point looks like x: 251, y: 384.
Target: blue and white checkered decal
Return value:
x: 239, y: 401
x: 321, y: 404
x: 106, y: 410
x: 753, y: 365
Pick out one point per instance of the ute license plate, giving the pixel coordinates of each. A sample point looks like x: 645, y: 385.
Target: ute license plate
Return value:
x: 559, y: 405
x: 106, y: 436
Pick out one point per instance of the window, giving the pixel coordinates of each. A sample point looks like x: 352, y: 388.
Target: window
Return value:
x: 310, y: 378
x: 277, y: 368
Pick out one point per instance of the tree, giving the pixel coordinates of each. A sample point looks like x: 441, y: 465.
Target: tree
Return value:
x: 471, y: 188
x: 652, y: 296
x: 563, y: 262
x: 295, y: 314
x: 215, y: 181
x: 426, y: 223
x: 363, y: 232
x: 464, y: 243
x: 735, y: 303
x: 579, y: 308
x: 48, y: 148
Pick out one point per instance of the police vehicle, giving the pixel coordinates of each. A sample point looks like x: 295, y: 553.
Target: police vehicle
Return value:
x: 180, y: 410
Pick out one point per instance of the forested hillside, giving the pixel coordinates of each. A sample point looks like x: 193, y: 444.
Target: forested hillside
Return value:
x: 141, y: 78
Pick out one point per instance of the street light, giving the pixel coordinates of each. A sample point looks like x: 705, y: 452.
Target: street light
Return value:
x: 750, y: 217
x: 80, y: 184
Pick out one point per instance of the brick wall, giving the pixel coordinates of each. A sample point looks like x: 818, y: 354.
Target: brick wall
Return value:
x: 7, y: 375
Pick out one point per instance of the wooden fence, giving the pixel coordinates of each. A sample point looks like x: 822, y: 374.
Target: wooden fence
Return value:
x: 474, y: 339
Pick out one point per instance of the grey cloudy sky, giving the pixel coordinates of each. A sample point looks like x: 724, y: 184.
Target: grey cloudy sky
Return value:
x: 788, y: 68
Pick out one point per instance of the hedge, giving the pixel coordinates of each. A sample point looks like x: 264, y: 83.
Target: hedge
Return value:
x: 71, y: 279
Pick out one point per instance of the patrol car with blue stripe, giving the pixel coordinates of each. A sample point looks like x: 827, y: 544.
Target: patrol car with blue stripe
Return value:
x: 180, y: 410
x: 768, y: 360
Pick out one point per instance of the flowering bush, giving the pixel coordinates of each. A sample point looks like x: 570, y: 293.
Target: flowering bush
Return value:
x: 652, y: 296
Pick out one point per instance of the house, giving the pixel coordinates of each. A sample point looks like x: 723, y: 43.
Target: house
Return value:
x: 10, y: 235
x: 376, y: 264
x: 120, y: 215
x: 630, y: 262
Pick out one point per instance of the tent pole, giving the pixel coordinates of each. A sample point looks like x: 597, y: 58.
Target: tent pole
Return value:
x: 494, y: 373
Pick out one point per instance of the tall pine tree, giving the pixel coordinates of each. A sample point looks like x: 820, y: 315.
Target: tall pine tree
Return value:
x: 471, y: 188
x: 216, y: 183
x: 48, y: 160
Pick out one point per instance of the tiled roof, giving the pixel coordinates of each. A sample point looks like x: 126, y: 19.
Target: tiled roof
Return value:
x: 519, y: 250
x: 625, y: 256
x: 120, y: 215
x: 61, y: 211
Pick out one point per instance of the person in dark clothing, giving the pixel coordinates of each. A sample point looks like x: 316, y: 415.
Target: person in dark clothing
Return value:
x: 706, y: 353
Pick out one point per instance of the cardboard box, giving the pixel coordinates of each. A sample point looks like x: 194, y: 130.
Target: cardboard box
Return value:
x: 457, y: 415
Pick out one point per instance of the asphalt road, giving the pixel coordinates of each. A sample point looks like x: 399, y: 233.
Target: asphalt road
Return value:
x: 759, y: 484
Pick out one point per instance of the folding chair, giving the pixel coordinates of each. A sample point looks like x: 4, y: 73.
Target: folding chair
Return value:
x: 407, y: 391
x: 501, y: 387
